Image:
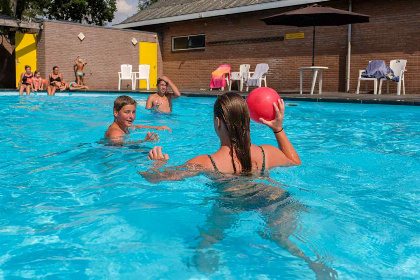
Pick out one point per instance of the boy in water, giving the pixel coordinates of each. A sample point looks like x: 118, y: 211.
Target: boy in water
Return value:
x: 162, y: 100
x: 79, y: 64
x: 124, y: 116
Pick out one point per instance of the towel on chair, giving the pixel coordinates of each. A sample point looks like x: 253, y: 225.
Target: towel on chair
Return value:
x: 260, y: 71
x: 376, y: 69
x: 218, y: 76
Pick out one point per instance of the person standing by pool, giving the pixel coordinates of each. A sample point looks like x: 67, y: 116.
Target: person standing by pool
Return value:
x: 79, y: 65
x: 124, y: 116
x: 56, y: 82
x: 162, y: 99
x: 237, y: 155
x: 25, y: 82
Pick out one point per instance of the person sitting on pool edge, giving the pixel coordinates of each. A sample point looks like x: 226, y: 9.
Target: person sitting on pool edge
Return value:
x: 56, y: 82
x: 25, y: 82
x: 162, y: 99
x: 124, y: 116
x: 237, y: 155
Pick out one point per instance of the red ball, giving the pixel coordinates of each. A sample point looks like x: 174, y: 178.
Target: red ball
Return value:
x: 44, y: 81
x: 260, y: 104
x: 29, y: 80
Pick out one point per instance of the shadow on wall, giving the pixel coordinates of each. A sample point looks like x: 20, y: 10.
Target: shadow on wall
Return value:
x: 7, y: 64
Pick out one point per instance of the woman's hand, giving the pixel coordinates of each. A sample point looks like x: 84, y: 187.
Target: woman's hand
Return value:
x: 151, y: 136
x: 277, y: 123
x: 163, y: 128
x: 156, y: 154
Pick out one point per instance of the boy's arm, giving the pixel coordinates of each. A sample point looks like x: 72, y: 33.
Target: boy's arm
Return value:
x: 152, y: 127
x: 176, y: 92
x: 149, y: 102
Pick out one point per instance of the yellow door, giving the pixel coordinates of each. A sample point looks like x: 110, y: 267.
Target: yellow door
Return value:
x: 148, y: 55
x: 25, y: 53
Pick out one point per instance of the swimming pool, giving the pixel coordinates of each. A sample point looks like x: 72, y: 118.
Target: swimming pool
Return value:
x: 72, y: 207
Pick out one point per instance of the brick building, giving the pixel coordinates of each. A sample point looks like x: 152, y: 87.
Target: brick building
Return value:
x: 198, y: 35
x: 57, y: 44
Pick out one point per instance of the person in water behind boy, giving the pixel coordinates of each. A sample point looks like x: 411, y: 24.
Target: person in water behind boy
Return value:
x: 79, y: 64
x: 124, y: 116
x: 162, y: 99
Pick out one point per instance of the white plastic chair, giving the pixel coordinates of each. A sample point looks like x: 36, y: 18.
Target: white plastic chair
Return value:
x: 240, y: 76
x: 126, y: 74
x: 143, y: 74
x: 375, y: 82
x: 256, y: 72
x: 398, y: 67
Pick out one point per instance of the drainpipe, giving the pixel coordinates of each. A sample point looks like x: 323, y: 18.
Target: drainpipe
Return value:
x: 349, y: 51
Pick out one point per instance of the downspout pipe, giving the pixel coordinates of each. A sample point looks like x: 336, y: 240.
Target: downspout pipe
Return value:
x: 349, y: 50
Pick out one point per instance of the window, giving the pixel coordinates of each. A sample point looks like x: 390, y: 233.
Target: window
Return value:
x: 191, y: 42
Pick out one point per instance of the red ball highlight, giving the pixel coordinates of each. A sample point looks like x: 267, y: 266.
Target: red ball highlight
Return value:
x: 260, y: 104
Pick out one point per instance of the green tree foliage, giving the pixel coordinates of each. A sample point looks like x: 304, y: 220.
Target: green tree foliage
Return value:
x: 97, y: 12
x: 143, y: 4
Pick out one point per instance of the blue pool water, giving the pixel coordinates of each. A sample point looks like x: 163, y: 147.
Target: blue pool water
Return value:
x: 73, y: 208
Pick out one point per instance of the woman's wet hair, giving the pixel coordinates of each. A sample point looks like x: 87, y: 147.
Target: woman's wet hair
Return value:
x: 122, y: 101
x: 55, y: 67
x: 27, y: 66
x: 232, y: 110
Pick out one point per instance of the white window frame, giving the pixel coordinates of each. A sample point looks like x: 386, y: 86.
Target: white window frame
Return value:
x: 191, y: 49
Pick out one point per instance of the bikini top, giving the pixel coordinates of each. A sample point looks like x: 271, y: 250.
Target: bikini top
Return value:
x: 26, y: 77
x: 217, y: 170
x: 58, y: 79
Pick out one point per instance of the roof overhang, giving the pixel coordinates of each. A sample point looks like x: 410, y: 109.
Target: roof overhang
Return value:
x: 215, y: 13
x: 20, y: 24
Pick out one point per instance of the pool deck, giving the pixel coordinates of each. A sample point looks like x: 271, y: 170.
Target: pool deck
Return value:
x: 339, y: 97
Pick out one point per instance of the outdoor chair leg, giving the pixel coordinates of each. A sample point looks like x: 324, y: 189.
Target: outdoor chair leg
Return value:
x: 241, y: 85
x: 230, y: 85
x: 375, y: 84
x: 403, y: 82
x: 148, y: 84
x: 358, y: 86
x: 399, y: 88
x: 380, y: 86
x: 119, y: 84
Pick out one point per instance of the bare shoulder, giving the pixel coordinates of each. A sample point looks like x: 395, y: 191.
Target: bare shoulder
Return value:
x: 202, y: 161
x: 113, y: 133
x: 275, y: 157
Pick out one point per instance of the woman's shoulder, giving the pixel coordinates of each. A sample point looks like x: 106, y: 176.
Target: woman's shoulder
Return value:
x: 202, y: 160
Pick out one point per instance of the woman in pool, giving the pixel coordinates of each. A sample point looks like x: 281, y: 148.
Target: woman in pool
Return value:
x: 56, y: 82
x: 240, y: 194
x: 25, y: 83
x: 237, y: 155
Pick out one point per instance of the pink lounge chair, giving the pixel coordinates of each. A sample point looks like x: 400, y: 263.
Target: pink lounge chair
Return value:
x: 220, y: 77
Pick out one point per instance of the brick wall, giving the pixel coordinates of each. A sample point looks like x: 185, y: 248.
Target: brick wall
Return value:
x: 105, y: 49
x: 393, y: 33
x: 7, y: 61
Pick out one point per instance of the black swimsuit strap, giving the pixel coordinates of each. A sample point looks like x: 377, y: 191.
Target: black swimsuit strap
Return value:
x: 214, y: 164
x: 263, y: 165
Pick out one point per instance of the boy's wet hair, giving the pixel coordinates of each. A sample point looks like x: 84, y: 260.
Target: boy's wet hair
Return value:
x: 122, y: 101
x: 160, y: 80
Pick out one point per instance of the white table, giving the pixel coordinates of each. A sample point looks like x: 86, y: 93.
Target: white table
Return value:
x: 315, y: 70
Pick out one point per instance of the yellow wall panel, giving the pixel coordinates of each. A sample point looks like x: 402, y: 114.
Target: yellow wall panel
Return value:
x: 148, y: 55
x: 25, y: 53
